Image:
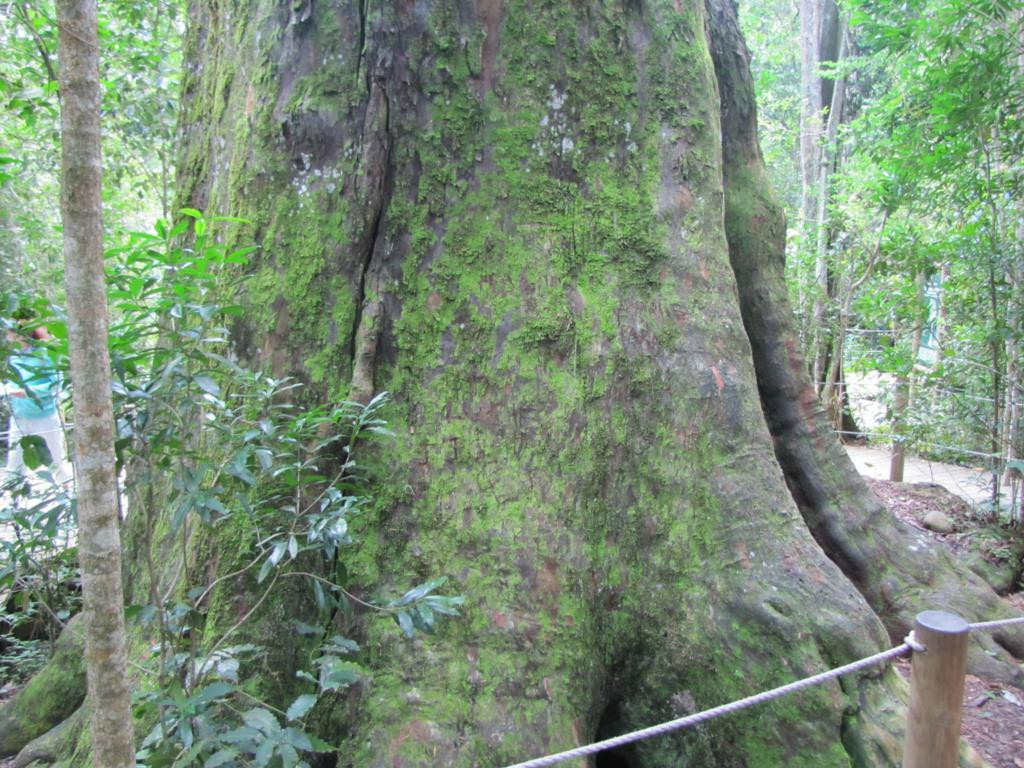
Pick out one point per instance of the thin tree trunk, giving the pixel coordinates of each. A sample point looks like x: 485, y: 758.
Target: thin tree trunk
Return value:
x: 810, y: 152
x: 943, y: 317
x: 828, y: 153
x: 1014, y: 391
x: 99, y: 547
x: 828, y: 156
x: 900, y: 402
x: 1011, y: 427
x: 1015, y: 314
x: 904, y: 389
x: 996, y: 345
x: 821, y: 37
x: 834, y: 385
x: 810, y: 109
x: 941, y: 322
x: 833, y: 400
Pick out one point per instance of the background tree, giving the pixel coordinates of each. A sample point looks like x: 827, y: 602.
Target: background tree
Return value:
x: 932, y: 154
x: 946, y: 126
x: 99, y: 541
x: 824, y: 43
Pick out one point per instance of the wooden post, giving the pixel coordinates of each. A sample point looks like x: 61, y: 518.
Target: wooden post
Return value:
x: 936, y: 691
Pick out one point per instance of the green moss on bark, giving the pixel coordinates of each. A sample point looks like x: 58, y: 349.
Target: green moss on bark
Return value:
x: 52, y: 695
x: 533, y: 192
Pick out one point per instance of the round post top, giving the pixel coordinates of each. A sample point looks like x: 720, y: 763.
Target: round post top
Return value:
x: 942, y: 622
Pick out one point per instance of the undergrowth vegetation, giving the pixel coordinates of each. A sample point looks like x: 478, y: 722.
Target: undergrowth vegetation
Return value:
x: 204, y: 442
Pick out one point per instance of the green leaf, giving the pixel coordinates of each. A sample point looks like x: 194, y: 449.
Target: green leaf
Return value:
x: 420, y: 591
x: 179, y: 229
x: 264, y: 752
x: 217, y: 690
x: 188, y: 758
x: 319, y: 596
x: 185, y: 732
x: 304, y: 629
x: 318, y: 744
x: 179, y: 515
x: 265, y: 458
x: 301, y: 706
x: 288, y: 755
x: 405, y: 622
x: 242, y: 735
x: 277, y: 552
x: 341, y: 644
x: 221, y: 757
x: 261, y: 719
x: 426, y: 618
x: 208, y: 385
x: 336, y: 674
x: 35, y: 452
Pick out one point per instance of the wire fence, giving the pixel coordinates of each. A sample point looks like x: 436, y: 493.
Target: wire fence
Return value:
x: 910, y: 644
x: 937, y: 446
x: 956, y: 393
x: 955, y: 418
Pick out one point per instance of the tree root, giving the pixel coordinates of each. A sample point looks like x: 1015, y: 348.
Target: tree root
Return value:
x: 51, y: 696
x: 57, y: 743
x: 897, y: 570
x: 881, y: 719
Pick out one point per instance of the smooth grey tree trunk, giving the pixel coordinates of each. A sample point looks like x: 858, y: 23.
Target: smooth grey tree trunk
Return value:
x: 99, y: 544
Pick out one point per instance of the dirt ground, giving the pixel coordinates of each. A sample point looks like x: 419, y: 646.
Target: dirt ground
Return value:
x: 993, y: 720
x: 993, y: 716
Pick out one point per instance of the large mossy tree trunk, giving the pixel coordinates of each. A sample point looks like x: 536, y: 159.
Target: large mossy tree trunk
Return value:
x: 510, y: 216
x: 518, y: 218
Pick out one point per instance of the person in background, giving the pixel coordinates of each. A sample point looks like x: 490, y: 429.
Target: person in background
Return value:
x: 33, y: 404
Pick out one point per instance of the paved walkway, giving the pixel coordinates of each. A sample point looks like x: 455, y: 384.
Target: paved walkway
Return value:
x: 973, y: 485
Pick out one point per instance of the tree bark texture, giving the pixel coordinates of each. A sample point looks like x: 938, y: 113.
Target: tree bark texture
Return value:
x: 99, y: 545
x: 50, y: 696
x: 525, y: 204
x: 904, y: 389
x: 525, y: 201
x: 513, y: 217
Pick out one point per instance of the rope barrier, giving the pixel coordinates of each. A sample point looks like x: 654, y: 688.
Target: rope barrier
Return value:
x: 996, y: 623
x: 909, y: 644
x: 708, y: 714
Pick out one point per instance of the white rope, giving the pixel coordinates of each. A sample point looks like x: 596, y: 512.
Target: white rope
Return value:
x: 997, y: 623
x: 911, y: 641
x: 708, y: 714
x: 909, y: 644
